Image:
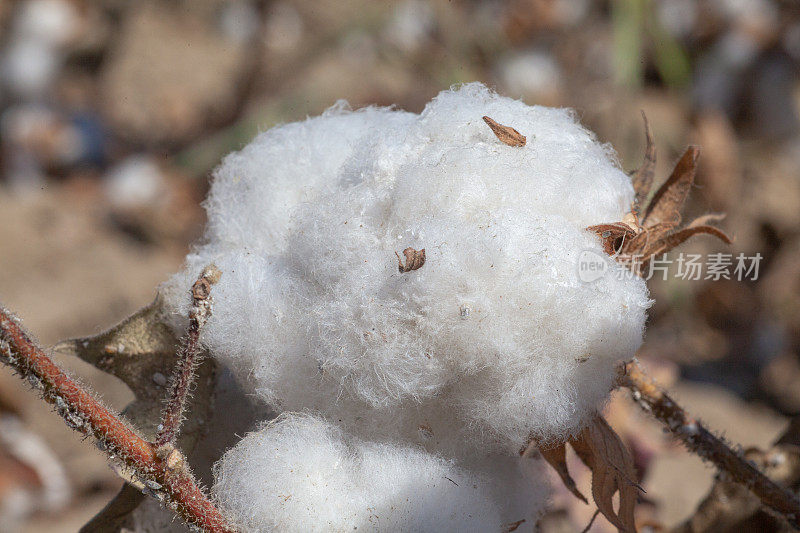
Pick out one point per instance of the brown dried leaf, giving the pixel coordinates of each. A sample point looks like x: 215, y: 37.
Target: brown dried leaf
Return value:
x: 670, y: 197
x: 601, y: 449
x: 641, y: 241
x: 643, y: 179
x: 706, y: 219
x: 634, y: 243
x: 506, y: 134
x: 557, y: 458
x: 414, y: 259
x: 672, y: 240
x: 613, y: 235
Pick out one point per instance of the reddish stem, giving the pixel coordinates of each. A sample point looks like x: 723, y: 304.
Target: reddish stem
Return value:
x: 162, y: 470
x: 188, y: 358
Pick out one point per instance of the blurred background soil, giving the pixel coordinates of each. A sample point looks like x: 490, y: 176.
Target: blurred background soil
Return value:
x: 113, y: 113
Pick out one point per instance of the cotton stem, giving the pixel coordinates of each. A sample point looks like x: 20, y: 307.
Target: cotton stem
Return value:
x: 188, y: 358
x: 708, y: 446
x: 164, y: 474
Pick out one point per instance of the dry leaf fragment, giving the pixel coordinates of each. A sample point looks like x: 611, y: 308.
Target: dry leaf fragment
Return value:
x: 506, y: 134
x: 643, y: 179
x: 601, y: 449
x: 669, y: 199
x: 672, y: 240
x: 636, y: 243
x: 706, y: 219
x: 414, y: 259
x: 557, y: 458
x: 613, y: 470
x: 613, y: 235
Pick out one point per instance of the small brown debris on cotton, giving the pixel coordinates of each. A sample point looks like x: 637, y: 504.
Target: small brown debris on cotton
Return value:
x: 174, y: 460
x: 506, y: 134
x: 425, y: 431
x: 414, y: 259
x: 513, y: 526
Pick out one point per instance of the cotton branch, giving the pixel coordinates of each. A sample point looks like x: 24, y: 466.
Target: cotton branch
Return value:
x: 163, y: 471
x: 188, y: 358
x: 705, y: 444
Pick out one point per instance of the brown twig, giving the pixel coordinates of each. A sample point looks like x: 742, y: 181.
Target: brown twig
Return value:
x: 707, y: 445
x: 162, y: 471
x: 188, y: 358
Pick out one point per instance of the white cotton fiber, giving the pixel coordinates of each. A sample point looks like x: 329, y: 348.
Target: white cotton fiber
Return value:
x: 300, y: 473
x: 495, y: 331
x: 284, y: 167
x: 494, y: 340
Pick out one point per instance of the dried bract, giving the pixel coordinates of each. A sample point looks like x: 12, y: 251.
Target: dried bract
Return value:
x: 643, y: 178
x: 613, y: 470
x: 506, y: 134
x: 414, y: 259
x: 635, y: 241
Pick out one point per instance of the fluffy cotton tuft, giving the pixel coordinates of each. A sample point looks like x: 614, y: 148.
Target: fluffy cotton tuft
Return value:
x: 494, y: 340
x: 301, y: 473
x: 495, y: 331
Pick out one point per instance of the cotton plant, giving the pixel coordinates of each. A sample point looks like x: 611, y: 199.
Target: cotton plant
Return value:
x: 399, y: 296
x: 411, y: 281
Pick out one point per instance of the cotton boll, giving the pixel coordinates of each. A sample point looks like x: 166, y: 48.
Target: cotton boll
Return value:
x: 494, y: 339
x: 411, y: 25
x: 136, y: 182
x: 300, y: 473
x: 534, y: 73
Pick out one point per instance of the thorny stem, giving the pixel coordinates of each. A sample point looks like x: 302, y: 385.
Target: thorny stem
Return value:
x: 163, y: 471
x: 184, y: 374
x: 708, y: 446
